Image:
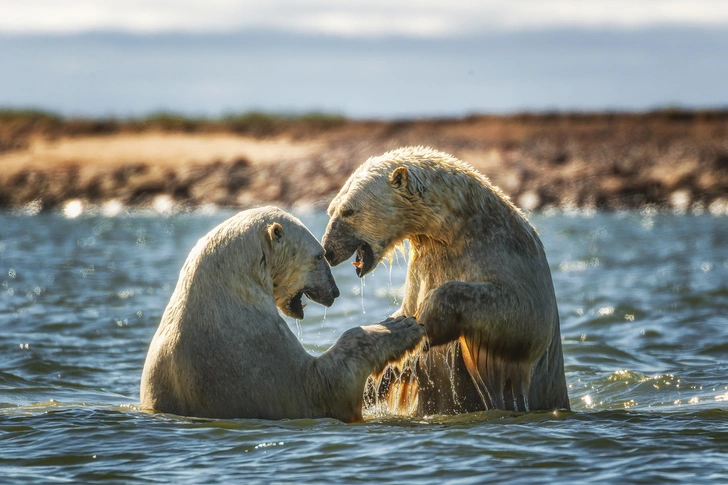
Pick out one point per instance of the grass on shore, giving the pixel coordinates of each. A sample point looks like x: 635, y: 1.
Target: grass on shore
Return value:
x: 22, y: 123
x: 261, y: 124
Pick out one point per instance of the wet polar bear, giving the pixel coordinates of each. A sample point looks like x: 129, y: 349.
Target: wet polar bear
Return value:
x: 222, y: 350
x: 477, y: 276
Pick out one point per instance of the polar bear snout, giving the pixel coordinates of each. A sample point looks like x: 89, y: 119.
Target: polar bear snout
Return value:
x: 325, y: 298
x: 321, y: 287
x: 339, y: 242
x: 339, y: 251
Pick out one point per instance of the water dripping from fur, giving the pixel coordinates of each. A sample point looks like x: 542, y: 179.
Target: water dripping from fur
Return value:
x: 323, y: 322
x: 451, y: 352
x: 394, y: 392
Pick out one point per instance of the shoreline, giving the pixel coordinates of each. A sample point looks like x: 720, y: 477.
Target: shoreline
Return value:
x: 603, y: 161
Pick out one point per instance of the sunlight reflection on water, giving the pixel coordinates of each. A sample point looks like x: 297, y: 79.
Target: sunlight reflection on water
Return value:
x: 643, y: 312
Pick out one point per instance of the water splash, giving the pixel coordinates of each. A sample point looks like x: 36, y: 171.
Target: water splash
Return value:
x: 394, y: 392
x: 164, y: 204
x: 361, y: 292
x: 299, y: 331
x: 391, y: 287
x: 451, y: 355
x: 73, y: 208
x: 112, y: 208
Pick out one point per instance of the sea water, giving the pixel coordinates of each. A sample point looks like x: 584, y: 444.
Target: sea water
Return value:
x: 643, y: 298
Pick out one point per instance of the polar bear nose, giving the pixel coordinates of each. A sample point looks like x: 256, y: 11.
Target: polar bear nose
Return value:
x: 336, y: 293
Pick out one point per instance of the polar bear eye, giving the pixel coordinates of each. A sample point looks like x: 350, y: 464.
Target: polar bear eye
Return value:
x: 319, y: 257
x: 347, y: 212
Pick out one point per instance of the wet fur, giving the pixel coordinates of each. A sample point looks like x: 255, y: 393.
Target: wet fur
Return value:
x: 222, y: 350
x: 477, y: 278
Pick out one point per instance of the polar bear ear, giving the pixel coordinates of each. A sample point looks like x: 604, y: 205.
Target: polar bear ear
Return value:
x: 398, y: 178
x: 275, y: 232
x: 269, y: 237
x: 402, y: 179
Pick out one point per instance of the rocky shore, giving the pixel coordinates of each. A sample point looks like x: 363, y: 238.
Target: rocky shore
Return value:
x: 670, y: 158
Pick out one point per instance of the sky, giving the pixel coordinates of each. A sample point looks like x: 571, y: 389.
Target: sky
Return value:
x: 353, y: 18
x: 366, y: 59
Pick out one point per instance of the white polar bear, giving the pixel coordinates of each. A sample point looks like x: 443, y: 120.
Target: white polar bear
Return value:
x: 478, y: 280
x: 222, y: 350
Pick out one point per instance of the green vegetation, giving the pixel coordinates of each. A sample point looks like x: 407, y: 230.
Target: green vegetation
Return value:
x: 19, y: 123
x: 254, y: 123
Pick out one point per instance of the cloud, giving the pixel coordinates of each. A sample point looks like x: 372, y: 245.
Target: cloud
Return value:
x: 353, y: 18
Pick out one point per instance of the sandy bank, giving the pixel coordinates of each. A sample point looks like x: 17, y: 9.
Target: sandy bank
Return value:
x: 604, y: 161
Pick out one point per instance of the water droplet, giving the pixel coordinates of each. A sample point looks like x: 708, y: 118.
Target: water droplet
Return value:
x: 87, y: 271
x: 718, y: 207
x: 33, y: 208
x: 605, y: 311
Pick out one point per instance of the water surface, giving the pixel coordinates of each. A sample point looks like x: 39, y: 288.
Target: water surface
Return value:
x: 643, y: 299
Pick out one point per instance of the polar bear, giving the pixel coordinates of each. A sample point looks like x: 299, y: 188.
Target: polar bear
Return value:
x: 223, y: 351
x: 477, y: 279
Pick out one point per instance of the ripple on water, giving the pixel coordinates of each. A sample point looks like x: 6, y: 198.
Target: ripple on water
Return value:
x: 642, y: 318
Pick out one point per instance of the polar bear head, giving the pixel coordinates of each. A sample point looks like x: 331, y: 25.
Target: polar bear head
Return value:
x: 263, y: 251
x: 298, y: 266
x: 414, y: 193
x: 380, y: 205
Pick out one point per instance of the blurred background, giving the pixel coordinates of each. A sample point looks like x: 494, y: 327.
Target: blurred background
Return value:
x: 361, y: 59
x: 601, y: 104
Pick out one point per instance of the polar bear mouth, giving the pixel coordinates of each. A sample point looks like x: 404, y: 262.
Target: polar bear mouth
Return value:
x: 365, y: 261
x: 295, y: 306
